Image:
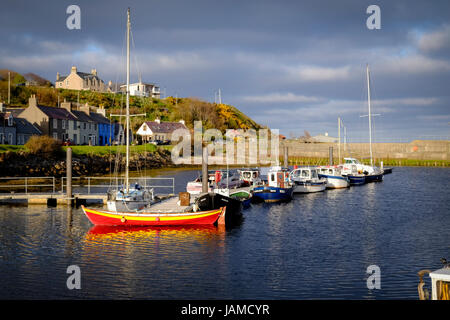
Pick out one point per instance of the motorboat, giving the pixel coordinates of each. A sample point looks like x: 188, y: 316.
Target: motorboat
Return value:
x: 306, y: 180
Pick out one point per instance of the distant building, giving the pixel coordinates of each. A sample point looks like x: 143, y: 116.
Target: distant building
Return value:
x: 14, y: 129
x: 51, y: 121
x: 80, y: 81
x: 156, y: 130
x: 7, y: 128
x: 120, y: 136
x: 141, y: 89
x: 80, y: 124
x: 91, y: 127
x: 25, y: 130
x: 325, y: 138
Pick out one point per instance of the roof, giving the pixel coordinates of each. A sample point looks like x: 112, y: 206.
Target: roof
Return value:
x: 57, y: 113
x: 83, y: 75
x: 99, y: 118
x: 82, y: 116
x: 15, y: 111
x: 24, y: 126
x: 164, y: 127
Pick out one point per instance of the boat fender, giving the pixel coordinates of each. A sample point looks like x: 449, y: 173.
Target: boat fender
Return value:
x: 123, y: 220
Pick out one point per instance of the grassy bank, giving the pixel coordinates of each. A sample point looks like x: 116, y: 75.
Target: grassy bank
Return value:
x: 105, y: 150
x: 94, y: 150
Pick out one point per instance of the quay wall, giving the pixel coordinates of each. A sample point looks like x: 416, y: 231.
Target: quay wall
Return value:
x: 415, y: 150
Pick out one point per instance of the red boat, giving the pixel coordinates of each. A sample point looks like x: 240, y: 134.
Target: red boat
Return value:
x: 111, y: 218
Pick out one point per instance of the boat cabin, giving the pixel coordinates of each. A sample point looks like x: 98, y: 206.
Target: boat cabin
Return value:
x: 351, y: 161
x: 329, y: 170
x: 278, y: 177
x: 304, y: 174
x: 249, y: 176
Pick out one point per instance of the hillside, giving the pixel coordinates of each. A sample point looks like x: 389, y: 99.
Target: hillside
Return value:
x: 220, y: 116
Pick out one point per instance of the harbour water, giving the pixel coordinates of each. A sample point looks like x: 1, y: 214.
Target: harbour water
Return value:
x: 318, y: 246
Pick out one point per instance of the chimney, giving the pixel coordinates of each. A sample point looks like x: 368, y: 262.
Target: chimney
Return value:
x: 57, y: 76
x: 157, y: 121
x: 101, y: 110
x: 85, y: 109
x: 66, y: 105
x: 1, y: 106
x: 32, y: 102
x: 94, y: 72
x: 73, y: 70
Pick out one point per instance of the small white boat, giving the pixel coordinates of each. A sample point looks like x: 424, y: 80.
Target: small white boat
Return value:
x: 372, y: 173
x: 250, y: 176
x: 334, y: 177
x: 307, y: 180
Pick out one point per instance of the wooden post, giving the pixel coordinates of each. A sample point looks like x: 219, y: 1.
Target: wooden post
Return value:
x: 69, y: 174
x: 205, y: 170
x: 286, y: 157
x: 330, y: 151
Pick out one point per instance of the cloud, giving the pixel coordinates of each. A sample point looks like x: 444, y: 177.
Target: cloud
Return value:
x: 412, y: 64
x: 280, y: 98
x: 317, y: 73
x: 435, y: 40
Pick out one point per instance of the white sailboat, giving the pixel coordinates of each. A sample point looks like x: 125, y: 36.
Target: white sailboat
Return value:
x: 372, y: 173
x: 128, y: 198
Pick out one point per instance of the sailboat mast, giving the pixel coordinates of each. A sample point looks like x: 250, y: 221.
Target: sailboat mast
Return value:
x: 127, y: 126
x: 370, y: 116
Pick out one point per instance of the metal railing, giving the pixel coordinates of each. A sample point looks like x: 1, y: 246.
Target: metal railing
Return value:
x: 89, y: 184
x: 28, y: 183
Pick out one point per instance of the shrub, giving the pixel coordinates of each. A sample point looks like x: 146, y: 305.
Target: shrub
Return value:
x: 43, y: 145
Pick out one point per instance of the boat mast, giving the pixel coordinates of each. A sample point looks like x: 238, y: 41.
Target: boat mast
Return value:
x: 339, y: 138
x: 370, y: 117
x: 127, y: 126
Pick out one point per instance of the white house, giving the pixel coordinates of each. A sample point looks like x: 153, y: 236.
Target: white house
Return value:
x: 141, y: 89
x: 157, y: 130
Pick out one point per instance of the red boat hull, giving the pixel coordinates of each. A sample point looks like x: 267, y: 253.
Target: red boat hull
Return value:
x: 109, y: 218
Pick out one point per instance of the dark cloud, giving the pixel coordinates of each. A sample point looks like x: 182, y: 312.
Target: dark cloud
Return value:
x: 292, y: 65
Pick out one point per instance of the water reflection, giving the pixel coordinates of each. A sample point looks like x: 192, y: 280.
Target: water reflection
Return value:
x: 134, y: 235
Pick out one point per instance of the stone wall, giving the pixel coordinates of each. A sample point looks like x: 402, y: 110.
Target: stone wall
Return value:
x: 417, y: 150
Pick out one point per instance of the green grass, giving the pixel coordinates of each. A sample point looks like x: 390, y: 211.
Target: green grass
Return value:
x: 105, y: 150
x: 7, y: 147
x: 386, y: 162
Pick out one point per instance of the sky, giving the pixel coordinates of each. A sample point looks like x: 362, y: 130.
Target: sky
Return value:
x: 291, y: 65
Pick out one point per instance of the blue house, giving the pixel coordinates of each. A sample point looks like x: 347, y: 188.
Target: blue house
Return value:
x: 105, y: 129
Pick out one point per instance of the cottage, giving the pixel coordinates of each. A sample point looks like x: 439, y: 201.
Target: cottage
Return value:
x: 91, y: 127
x: 141, y: 89
x: 80, y: 81
x: 151, y: 131
x: 54, y: 122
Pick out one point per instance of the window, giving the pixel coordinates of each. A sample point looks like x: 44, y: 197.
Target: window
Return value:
x: 55, y: 135
x: 10, y: 121
x: 2, y: 138
x: 74, y: 125
x: 63, y: 124
x: 84, y: 126
x: 55, y: 123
